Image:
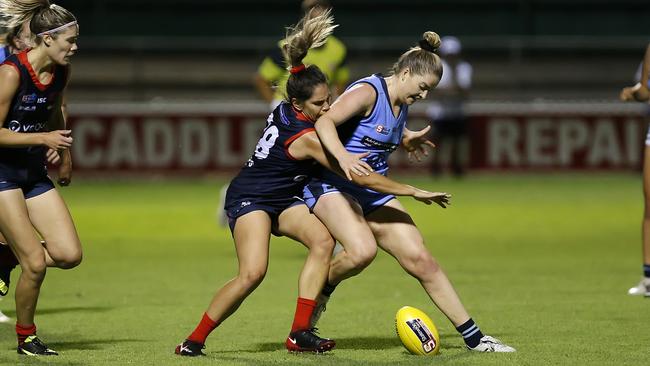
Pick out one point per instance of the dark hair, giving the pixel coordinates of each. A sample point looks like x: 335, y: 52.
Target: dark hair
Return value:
x: 10, y: 37
x: 311, y: 31
x: 422, y: 59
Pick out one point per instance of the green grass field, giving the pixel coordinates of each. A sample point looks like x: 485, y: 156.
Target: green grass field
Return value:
x: 541, y: 261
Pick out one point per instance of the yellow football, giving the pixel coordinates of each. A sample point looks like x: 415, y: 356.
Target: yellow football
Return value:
x: 416, y: 331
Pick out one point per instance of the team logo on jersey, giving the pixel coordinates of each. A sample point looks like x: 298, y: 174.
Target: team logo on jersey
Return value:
x: 382, y: 130
x: 29, y: 98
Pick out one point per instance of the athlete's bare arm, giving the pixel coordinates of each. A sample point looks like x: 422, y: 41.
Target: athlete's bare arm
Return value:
x: 308, y: 146
x: 358, y: 100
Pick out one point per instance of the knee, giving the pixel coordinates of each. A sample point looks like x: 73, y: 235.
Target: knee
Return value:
x: 322, y: 244
x: 69, y: 260
x: 421, y: 264
x: 33, y: 268
x: 362, y: 256
x: 252, y: 278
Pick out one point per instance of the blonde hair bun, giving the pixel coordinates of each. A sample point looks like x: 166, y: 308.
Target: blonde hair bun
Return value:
x: 430, y: 41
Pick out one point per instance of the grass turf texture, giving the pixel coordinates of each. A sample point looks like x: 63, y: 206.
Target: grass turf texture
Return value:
x: 541, y: 261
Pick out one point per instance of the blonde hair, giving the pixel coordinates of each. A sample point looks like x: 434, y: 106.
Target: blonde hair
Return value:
x: 422, y: 59
x: 16, y: 12
x: 42, y: 16
x: 312, y: 31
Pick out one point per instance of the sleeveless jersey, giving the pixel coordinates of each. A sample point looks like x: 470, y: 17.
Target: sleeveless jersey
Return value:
x: 29, y: 112
x: 271, y: 172
x: 380, y: 133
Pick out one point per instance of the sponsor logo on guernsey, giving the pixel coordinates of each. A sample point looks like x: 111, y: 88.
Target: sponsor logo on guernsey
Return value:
x: 299, y: 178
x: 424, y: 334
x: 41, y: 100
x: 28, y: 108
x: 29, y: 98
x: 386, y: 146
x: 382, y: 130
x: 245, y: 203
x: 16, y: 126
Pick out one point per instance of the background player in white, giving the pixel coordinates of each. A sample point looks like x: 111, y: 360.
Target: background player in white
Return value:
x: 639, y: 92
x: 447, y: 109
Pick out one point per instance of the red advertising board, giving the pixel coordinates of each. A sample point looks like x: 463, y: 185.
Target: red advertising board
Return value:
x: 201, y: 138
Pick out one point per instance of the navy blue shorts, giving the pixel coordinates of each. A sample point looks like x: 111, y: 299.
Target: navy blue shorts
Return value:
x: 241, y: 205
x: 30, y: 189
x: 368, y: 199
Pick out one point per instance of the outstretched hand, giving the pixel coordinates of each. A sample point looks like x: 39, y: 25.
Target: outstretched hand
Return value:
x: 416, y: 144
x: 442, y: 199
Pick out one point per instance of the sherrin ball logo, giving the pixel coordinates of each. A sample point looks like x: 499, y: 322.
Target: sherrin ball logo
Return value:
x: 417, y: 331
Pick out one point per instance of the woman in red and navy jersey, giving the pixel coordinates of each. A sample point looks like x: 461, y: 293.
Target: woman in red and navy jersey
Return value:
x: 263, y: 198
x: 32, y: 84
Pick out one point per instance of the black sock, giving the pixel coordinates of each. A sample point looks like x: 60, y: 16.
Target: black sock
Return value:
x: 646, y: 270
x: 328, y: 289
x: 471, y: 333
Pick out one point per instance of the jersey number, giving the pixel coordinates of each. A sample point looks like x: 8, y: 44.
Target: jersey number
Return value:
x: 265, y: 144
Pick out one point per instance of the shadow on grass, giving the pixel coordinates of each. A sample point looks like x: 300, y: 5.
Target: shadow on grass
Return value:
x: 90, y: 344
x: 332, y: 358
x: 352, y: 343
x: 49, y: 311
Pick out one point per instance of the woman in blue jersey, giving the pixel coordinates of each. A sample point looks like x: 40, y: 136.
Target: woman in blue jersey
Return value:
x: 264, y: 198
x: 371, y: 117
x: 32, y: 85
x: 640, y: 92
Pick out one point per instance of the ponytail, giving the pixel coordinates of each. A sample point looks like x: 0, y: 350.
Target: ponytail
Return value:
x: 310, y: 32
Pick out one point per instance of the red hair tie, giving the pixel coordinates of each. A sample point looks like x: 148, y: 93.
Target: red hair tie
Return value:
x: 297, y: 69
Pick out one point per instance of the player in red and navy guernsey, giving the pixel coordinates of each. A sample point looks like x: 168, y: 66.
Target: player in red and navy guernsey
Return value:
x: 263, y: 199
x: 17, y: 40
x: 32, y: 85
x: 272, y: 179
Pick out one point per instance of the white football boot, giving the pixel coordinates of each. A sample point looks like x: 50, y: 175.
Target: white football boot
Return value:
x: 3, y: 317
x: 643, y: 288
x: 491, y: 344
x: 321, y: 306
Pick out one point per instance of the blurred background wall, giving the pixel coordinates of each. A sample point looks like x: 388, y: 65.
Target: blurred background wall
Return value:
x: 174, y: 61
x: 520, y: 49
